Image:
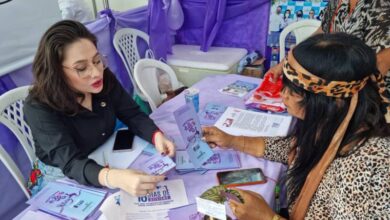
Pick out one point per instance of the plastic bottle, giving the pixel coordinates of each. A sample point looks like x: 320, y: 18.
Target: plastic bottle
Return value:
x: 274, y: 56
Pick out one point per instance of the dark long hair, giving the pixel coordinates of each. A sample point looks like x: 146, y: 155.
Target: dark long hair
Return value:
x: 50, y: 85
x: 337, y: 57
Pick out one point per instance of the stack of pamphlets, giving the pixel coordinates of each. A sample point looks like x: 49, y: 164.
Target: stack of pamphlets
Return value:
x: 238, y: 88
x: 67, y: 200
x: 222, y: 159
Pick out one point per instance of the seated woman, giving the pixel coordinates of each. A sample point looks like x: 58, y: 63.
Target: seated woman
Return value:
x: 338, y: 153
x: 73, y: 106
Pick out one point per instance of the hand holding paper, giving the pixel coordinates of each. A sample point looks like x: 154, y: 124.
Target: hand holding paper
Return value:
x: 216, y: 137
x: 163, y: 145
x: 254, y: 206
x: 133, y: 182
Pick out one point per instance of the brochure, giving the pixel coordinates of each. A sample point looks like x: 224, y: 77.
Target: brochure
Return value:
x: 189, y: 126
x: 222, y: 159
x: 168, y: 194
x: 237, y: 121
x: 211, y: 113
x: 68, y: 201
x: 158, y: 165
x: 238, y: 88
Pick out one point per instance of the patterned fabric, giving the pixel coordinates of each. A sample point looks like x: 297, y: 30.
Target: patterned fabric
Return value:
x: 40, y: 175
x: 304, y: 79
x: 340, y: 89
x: 369, y: 21
x: 356, y: 186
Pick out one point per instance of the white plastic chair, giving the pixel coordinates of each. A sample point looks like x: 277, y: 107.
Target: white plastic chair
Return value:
x: 125, y: 43
x: 12, y: 116
x: 146, y: 79
x: 14, y: 170
x: 301, y: 29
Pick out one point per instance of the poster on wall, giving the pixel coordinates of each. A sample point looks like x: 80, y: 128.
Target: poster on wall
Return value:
x: 286, y: 12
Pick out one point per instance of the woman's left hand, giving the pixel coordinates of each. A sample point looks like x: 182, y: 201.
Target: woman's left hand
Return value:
x: 253, y: 208
x: 163, y: 145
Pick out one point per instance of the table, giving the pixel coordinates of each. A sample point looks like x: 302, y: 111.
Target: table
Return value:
x: 195, y: 182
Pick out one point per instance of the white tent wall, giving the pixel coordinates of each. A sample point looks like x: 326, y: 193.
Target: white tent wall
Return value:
x: 22, y: 24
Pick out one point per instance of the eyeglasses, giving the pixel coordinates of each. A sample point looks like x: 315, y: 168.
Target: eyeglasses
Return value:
x: 100, y: 63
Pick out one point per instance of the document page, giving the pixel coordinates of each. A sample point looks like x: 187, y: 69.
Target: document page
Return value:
x: 243, y: 122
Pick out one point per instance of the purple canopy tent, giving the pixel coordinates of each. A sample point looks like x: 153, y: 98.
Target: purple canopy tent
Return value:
x: 225, y: 23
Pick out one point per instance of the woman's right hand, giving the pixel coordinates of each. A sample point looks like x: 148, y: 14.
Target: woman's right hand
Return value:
x: 134, y: 182
x: 276, y: 71
x: 215, y: 137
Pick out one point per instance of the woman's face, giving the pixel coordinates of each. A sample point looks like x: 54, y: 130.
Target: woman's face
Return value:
x: 291, y: 101
x: 83, y: 67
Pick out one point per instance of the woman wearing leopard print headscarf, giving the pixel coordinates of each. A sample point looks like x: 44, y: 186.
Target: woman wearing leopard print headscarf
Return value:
x: 339, y: 151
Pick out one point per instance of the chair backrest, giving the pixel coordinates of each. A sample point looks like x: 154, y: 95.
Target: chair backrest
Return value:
x: 125, y: 44
x: 302, y: 29
x: 14, y: 170
x: 12, y: 116
x: 146, y: 79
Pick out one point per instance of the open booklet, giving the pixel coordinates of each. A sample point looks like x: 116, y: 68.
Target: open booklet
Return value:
x: 237, y: 121
x: 68, y: 200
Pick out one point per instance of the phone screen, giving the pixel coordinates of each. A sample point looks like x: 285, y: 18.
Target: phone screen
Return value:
x: 241, y: 177
x: 123, y: 140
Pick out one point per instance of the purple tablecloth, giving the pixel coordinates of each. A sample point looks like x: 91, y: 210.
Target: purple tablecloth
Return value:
x: 197, y: 183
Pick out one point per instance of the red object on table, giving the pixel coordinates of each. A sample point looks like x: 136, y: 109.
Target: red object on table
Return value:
x: 269, y: 88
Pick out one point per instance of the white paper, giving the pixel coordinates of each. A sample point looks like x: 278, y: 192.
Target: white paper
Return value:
x: 30, y: 214
x: 110, y: 208
x: 169, y: 194
x: 121, y: 160
x: 243, y: 122
x: 211, y: 208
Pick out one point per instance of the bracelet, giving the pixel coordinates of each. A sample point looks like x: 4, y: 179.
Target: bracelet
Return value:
x: 276, y: 217
x: 106, y: 180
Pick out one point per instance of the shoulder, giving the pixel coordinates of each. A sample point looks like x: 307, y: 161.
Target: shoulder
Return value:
x: 32, y: 108
x: 376, y: 147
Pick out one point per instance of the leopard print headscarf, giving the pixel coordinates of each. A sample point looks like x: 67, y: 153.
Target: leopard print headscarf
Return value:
x: 339, y: 89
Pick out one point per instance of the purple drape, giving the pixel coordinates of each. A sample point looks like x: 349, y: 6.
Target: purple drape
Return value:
x: 226, y: 23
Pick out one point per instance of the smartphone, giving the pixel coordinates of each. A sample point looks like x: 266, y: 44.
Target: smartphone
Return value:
x: 242, y: 177
x: 123, y: 141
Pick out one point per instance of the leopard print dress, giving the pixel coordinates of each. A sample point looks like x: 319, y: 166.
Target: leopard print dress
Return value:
x: 369, y: 21
x: 356, y: 186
